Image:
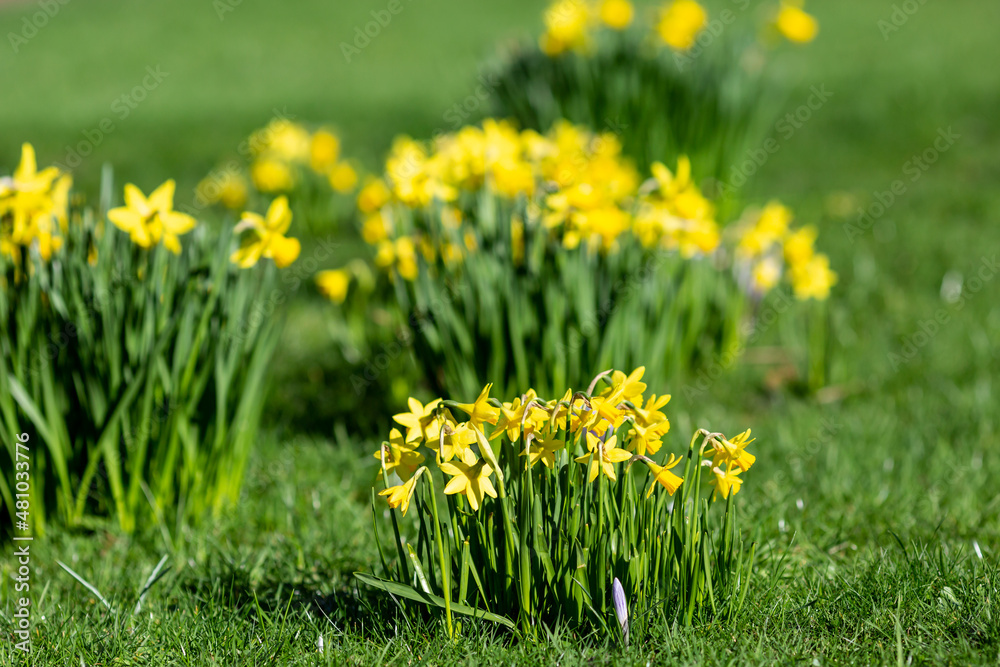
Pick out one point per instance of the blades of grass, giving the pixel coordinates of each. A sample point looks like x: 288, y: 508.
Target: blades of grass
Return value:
x: 86, y: 584
x: 154, y: 577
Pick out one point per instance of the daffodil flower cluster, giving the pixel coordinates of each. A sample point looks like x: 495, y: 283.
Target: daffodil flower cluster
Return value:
x: 570, y: 24
x: 575, y: 185
x: 545, y: 500
x: 33, y: 208
x: 577, y: 190
x: 599, y: 430
x: 281, y: 155
x: 767, y: 248
x: 158, y: 314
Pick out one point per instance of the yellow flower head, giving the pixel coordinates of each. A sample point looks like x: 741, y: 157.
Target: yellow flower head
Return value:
x: 400, y: 496
x: 333, y: 284
x: 566, y: 24
x: 227, y: 187
x: 267, y: 237
x: 544, y: 450
x: 471, y: 478
x: 726, y: 481
x: 420, y: 422
x: 152, y: 221
x: 813, y: 279
x: 663, y: 476
x: 794, y: 23
x: 37, y: 203
x: 602, y: 457
x: 271, y: 175
x: 733, y: 452
x: 373, y: 196
x: 481, y: 411
x: 324, y: 150
x: 399, y: 456
x: 617, y: 14
x: 680, y: 23
x: 343, y: 177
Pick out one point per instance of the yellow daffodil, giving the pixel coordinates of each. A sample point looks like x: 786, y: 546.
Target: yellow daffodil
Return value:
x: 733, y: 452
x: 794, y: 23
x: 271, y: 175
x: 471, y: 479
x: 400, y: 456
x: 566, y: 24
x: 324, y: 150
x: 680, y: 22
x: 511, y: 415
x: 663, y: 476
x: 616, y: 14
x: 458, y: 438
x: 227, y: 187
x: 798, y: 246
x: 544, y: 450
x: 481, y: 412
x: 647, y: 437
x: 152, y: 221
x: 373, y: 196
x: 420, y: 422
x: 267, y: 237
x: 602, y: 457
x: 628, y: 388
x: 343, y: 177
x: 400, y: 496
x: 726, y: 481
x: 813, y: 279
x: 333, y: 284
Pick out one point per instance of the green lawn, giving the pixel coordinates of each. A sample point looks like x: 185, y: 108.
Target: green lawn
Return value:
x: 875, y: 504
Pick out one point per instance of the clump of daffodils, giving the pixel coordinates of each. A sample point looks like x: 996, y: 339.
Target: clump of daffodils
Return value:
x: 768, y: 248
x: 572, y: 189
x: 34, y: 208
x: 554, y: 249
x: 281, y: 158
x: 547, y: 497
x: 141, y: 287
x: 573, y: 25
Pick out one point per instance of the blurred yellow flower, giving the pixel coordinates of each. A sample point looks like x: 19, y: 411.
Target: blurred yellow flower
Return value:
x: 616, y: 14
x: 680, y: 22
x: 324, y: 151
x: 343, y: 177
x: 566, y: 23
x: 152, y: 221
x: 270, y: 175
x: 373, y: 196
x: 333, y: 284
x: 227, y: 187
x: 813, y: 279
x: 794, y: 23
x: 267, y: 237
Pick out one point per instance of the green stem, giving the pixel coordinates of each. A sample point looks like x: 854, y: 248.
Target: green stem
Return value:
x: 445, y: 566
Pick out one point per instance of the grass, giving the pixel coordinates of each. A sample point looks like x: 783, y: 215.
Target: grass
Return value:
x: 875, y: 504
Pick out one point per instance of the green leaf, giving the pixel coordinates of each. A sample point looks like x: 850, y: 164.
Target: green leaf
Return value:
x: 429, y: 599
